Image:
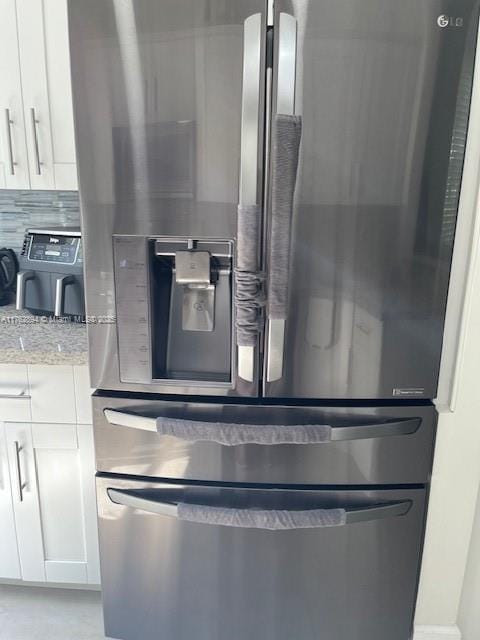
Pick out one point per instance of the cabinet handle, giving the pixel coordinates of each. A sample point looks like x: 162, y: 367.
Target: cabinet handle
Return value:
x: 15, y: 393
x: 11, y: 161
x: 21, y: 484
x: 35, y: 121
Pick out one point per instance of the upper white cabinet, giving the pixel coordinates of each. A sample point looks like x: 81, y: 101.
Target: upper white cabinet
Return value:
x: 13, y: 147
x: 35, y: 61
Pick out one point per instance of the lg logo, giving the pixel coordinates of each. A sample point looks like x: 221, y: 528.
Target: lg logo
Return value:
x: 448, y: 21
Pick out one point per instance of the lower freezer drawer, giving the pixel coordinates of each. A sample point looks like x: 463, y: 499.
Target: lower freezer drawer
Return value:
x: 229, y: 563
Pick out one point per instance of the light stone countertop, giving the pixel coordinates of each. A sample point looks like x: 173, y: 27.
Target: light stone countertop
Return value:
x: 29, y: 339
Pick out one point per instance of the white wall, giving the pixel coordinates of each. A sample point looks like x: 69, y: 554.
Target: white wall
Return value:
x: 469, y: 615
x: 456, y: 468
x: 455, y: 480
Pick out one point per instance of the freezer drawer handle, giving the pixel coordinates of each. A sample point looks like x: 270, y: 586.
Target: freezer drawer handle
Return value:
x: 265, y: 434
x: 268, y: 519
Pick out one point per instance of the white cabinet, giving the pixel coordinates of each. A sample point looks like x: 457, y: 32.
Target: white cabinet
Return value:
x: 83, y: 393
x: 35, y: 62
x: 25, y: 500
x: 52, y: 472
x: 14, y: 172
x: 52, y: 393
x: 9, y: 561
x: 47, y: 475
x: 14, y: 393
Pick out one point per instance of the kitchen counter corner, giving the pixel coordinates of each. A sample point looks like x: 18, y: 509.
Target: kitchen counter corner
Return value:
x: 29, y: 339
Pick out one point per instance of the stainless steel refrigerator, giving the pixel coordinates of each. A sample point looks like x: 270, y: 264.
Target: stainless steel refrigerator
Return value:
x: 269, y: 195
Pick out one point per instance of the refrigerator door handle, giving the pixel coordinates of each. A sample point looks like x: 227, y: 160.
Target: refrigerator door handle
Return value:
x: 247, y: 285
x: 286, y: 134
x: 257, y: 518
x: 231, y: 434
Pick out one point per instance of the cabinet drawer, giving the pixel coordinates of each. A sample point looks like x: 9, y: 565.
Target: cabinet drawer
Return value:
x: 52, y: 393
x: 14, y: 393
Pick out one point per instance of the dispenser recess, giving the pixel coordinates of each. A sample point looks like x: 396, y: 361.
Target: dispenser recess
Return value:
x: 179, y: 327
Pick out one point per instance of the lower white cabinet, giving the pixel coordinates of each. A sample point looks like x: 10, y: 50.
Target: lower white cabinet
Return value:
x: 52, y: 486
x: 9, y: 561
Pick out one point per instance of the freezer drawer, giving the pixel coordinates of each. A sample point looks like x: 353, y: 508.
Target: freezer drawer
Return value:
x: 179, y: 579
x: 340, y: 445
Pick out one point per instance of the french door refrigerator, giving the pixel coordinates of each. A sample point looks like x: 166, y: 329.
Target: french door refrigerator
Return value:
x: 269, y: 195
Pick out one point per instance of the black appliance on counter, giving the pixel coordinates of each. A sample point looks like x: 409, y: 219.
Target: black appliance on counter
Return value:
x: 8, y: 273
x: 50, y: 280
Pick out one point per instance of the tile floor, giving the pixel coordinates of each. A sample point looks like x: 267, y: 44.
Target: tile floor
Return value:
x: 39, y: 613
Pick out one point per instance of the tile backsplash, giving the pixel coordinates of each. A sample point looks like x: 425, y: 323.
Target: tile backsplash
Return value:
x: 20, y: 210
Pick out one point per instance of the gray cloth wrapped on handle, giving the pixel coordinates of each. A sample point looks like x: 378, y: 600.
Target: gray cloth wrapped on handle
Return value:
x: 271, y: 520
x: 237, y: 434
x: 249, y: 295
x: 287, y: 132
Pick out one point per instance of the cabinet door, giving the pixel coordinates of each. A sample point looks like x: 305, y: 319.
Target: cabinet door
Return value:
x: 65, y: 474
x: 55, y: 512
x: 25, y: 500
x: 13, y: 150
x: 46, y: 86
x: 57, y: 53
x: 9, y: 562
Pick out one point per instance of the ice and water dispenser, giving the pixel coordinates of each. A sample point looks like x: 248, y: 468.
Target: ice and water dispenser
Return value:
x: 174, y: 309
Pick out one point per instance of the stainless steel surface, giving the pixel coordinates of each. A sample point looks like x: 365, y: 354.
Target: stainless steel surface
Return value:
x: 287, y: 63
x: 135, y: 500
x: 357, y: 581
x: 252, y: 80
x: 158, y: 92
x: 61, y: 282
x: 192, y: 267
x: 352, y: 432
x: 270, y: 13
x: 174, y: 333
x: 131, y: 420
x: 132, y: 316
x: 22, y: 278
x: 119, y: 496
x: 285, y: 104
x: 246, y: 362
x: 275, y: 346
x: 34, y: 122
x: 249, y: 193
x: 377, y: 193
x: 8, y: 129
x: 399, y: 450
x: 198, y: 310
x: 21, y: 485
